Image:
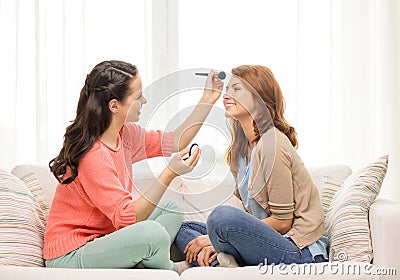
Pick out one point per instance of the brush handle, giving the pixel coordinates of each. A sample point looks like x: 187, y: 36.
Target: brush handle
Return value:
x: 221, y: 75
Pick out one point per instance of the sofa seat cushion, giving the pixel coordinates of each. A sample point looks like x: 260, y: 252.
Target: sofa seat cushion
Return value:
x: 29, y: 273
x: 322, y: 271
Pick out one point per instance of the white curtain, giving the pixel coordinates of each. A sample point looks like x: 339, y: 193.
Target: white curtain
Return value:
x: 337, y: 61
x: 347, y: 107
x: 47, y: 48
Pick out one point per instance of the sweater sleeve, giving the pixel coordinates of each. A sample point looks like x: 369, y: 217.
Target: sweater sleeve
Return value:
x: 101, y: 187
x: 147, y: 143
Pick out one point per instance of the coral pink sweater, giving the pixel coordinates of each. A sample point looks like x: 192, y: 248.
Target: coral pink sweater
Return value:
x: 99, y: 200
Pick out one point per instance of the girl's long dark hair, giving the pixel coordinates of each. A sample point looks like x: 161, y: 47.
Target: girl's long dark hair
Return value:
x: 108, y: 80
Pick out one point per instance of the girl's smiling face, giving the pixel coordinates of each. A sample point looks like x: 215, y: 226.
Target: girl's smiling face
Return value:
x: 135, y: 100
x: 238, y: 100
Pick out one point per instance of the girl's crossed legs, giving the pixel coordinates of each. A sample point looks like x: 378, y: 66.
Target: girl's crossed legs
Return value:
x: 248, y: 239
x: 147, y: 242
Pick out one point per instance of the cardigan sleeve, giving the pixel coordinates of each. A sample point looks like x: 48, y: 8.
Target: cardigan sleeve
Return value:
x: 280, y: 186
x: 273, y: 183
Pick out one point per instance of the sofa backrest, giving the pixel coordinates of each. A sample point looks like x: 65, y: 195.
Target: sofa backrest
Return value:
x: 181, y: 186
x: 337, y: 172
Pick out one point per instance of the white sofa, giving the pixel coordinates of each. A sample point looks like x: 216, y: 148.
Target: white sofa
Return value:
x: 206, y: 193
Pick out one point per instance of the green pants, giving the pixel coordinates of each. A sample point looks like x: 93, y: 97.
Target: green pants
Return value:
x: 147, y: 242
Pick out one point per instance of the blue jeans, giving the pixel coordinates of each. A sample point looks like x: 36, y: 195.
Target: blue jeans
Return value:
x: 245, y: 237
x: 187, y: 232
x: 250, y: 240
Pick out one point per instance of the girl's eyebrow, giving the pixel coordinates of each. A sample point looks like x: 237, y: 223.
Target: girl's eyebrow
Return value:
x: 233, y: 85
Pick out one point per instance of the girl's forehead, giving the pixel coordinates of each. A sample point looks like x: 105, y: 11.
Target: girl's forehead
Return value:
x: 136, y: 84
x: 137, y: 81
x: 234, y: 80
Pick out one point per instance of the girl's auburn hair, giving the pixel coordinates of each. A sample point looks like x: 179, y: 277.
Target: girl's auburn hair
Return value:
x: 266, y: 93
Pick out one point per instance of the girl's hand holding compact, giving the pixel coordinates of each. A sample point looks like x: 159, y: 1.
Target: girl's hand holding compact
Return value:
x: 180, y: 165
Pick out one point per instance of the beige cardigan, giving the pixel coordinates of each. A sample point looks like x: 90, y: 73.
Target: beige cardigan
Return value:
x: 282, y: 185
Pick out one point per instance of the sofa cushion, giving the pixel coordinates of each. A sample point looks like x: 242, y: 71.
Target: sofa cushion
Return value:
x: 346, y: 223
x: 336, y: 172
x: 320, y: 271
x: 33, y: 184
x: 22, y: 223
x: 201, y: 196
x: 45, y: 273
x: 331, y: 187
x: 46, y: 179
x: 196, y: 197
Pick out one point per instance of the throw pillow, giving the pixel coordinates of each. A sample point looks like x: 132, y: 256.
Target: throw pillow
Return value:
x: 346, y: 223
x: 331, y: 187
x: 33, y: 184
x: 21, y: 226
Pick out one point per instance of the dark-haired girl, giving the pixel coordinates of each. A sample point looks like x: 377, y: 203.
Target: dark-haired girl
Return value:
x: 94, y: 220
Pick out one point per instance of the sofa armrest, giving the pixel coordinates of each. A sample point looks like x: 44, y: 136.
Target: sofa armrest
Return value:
x: 384, y: 219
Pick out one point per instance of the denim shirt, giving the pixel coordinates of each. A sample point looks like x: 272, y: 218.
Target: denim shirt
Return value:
x: 318, y: 248
x: 243, y: 179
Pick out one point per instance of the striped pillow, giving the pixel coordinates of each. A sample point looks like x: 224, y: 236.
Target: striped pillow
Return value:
x: 331, y: 186
x: 346, y: 221
x: 22, y: 224
x: 32, y: 182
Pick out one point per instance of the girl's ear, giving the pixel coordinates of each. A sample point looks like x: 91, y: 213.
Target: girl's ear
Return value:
x: 113, y: 105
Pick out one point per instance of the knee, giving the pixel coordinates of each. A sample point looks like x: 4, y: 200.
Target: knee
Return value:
x: 186, y: 225
x: 220, y: 216
x: 156, y: 234
x: 190, y: 228
x: 172, y: 207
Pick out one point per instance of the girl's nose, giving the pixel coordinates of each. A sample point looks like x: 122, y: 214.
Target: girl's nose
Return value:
x: 227, y: 96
